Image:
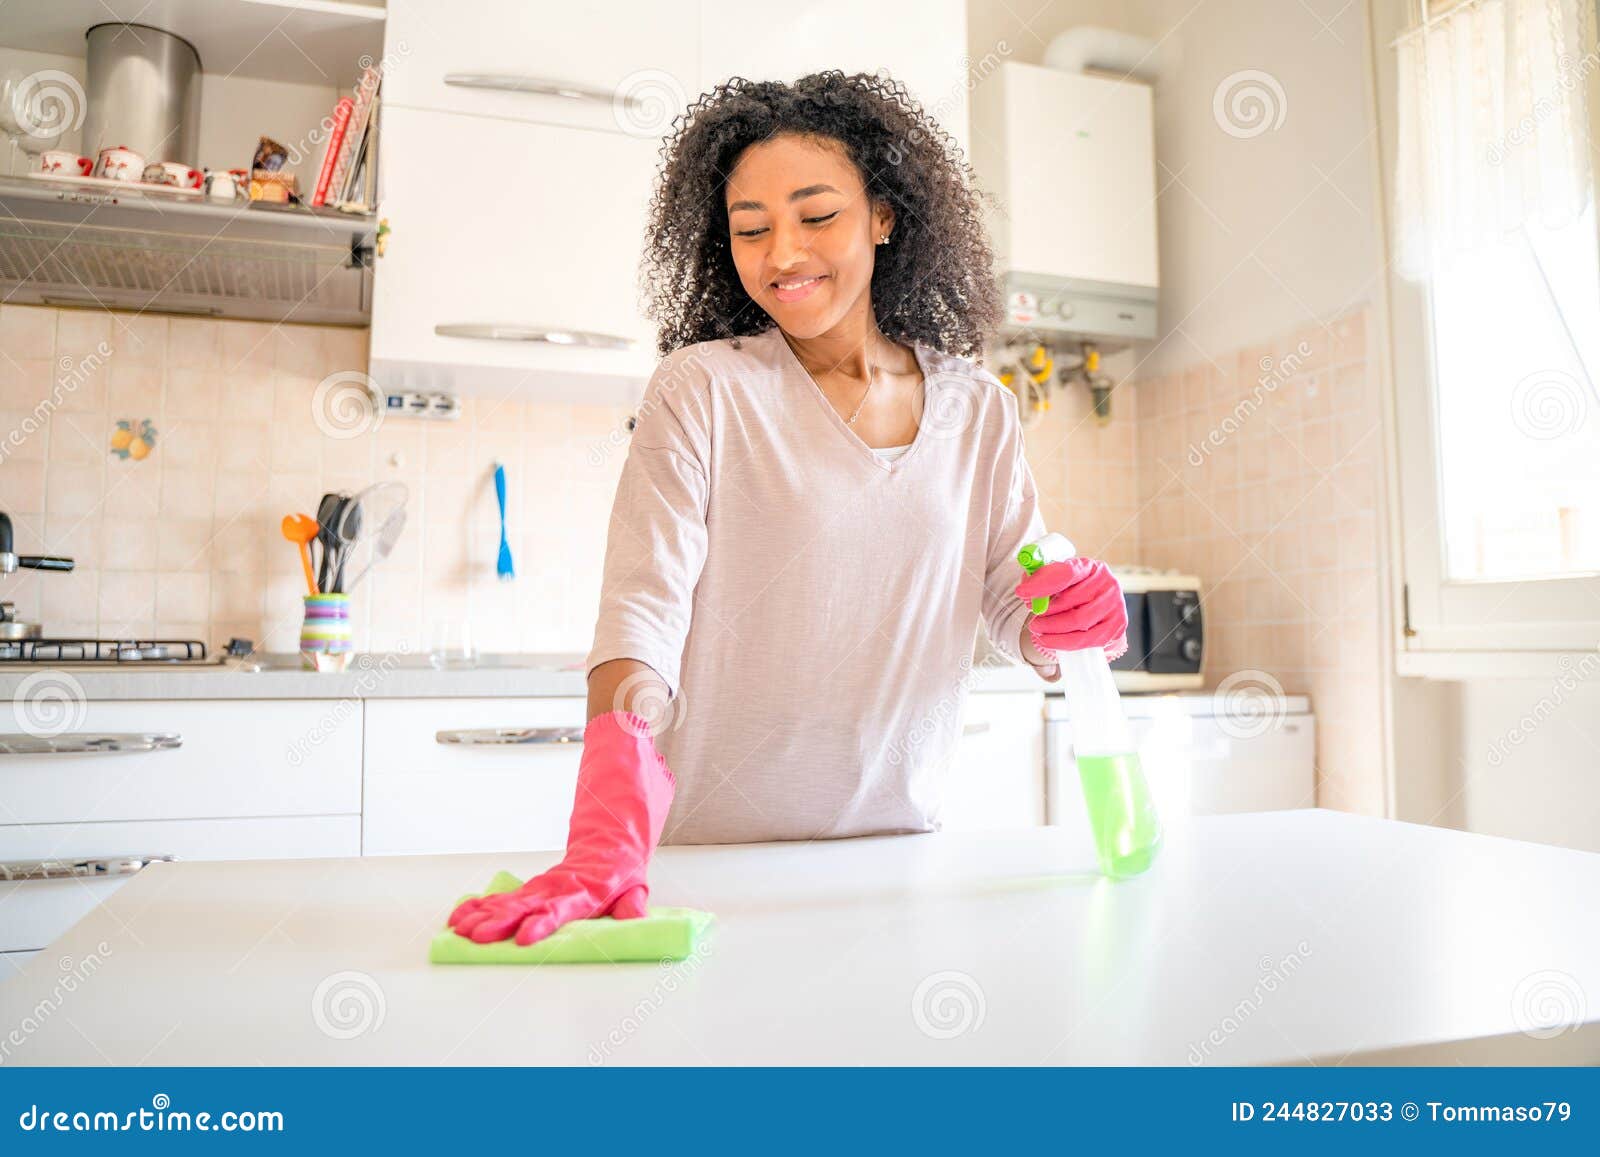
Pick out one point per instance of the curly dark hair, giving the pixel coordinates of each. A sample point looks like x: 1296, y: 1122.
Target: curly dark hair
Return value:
x: 935, y: 285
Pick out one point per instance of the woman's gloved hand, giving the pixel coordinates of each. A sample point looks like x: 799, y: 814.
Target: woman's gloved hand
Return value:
x: 1086, y: 607
x: 624, y: 790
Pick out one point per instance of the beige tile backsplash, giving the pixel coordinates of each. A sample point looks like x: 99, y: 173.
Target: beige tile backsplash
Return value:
x: 186, y: 542
x: 1260, y: 471
x: 1269, y: 494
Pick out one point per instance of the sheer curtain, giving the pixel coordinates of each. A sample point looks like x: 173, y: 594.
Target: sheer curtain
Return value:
x: 1493, y: 124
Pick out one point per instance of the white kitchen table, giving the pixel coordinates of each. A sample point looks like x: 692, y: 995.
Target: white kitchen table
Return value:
x: 1281, y: 937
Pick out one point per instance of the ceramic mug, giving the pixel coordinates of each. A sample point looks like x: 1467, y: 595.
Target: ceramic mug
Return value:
x: 65, y: 163
x: 172, y: 173
x: 220, y: 185
x: 119, y: 164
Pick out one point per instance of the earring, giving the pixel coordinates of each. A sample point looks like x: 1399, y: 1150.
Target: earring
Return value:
x: 884, y: 240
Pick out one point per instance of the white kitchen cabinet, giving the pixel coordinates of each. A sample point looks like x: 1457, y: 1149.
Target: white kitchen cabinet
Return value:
x: 233, y: 758
x: 511, y: 264
x: 500, y: 58
x: 39, y: 910
x: 470, y: 775
x: 921, y: 43
x: 997, y: 780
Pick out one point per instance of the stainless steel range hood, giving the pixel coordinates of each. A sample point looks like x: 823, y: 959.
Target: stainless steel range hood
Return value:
x: 61, y: 244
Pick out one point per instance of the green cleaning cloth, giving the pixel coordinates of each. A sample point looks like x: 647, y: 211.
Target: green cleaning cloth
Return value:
x: 664, y: 934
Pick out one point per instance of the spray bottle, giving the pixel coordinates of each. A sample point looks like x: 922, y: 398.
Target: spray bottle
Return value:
x: 1122, y: 815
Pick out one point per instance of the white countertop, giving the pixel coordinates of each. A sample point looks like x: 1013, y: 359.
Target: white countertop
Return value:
x: 1292, y: 936
x: 374, y: 676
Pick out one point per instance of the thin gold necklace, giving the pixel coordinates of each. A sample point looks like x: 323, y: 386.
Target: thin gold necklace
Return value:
x: 872, y: 376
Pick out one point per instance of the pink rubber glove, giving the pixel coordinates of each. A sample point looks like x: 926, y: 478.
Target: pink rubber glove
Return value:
x: 624, y: 790
x: 1085, y: 609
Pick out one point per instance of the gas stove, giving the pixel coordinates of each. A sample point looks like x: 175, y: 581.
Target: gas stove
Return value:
x: 111, y: 652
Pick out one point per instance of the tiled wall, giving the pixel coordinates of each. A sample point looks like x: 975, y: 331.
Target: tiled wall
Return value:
x: 1086, y: 471
x: 1260, y: 471
x: 185, y: 542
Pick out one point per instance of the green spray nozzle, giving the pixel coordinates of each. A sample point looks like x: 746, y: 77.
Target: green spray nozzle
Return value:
x: 1051, y: 548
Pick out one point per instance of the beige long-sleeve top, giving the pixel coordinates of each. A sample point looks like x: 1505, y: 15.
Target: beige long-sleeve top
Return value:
x: 811, y: 605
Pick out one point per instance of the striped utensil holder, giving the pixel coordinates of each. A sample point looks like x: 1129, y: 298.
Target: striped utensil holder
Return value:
x: 325, y: 643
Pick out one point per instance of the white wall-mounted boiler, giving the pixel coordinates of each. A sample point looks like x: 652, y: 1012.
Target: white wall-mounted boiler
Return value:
x: 1071, y: 158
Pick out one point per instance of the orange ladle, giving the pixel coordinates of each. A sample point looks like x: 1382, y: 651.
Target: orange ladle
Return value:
x: 302, y: 528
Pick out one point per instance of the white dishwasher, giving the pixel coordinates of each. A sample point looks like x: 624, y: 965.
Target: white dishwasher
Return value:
x: 1200, y: 753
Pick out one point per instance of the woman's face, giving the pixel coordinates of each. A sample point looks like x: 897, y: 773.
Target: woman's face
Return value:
x: 799, y: 212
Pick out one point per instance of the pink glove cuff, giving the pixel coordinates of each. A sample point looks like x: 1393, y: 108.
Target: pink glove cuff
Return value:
x: 621, y: 730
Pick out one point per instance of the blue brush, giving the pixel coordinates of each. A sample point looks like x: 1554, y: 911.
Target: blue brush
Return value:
x: 502, y: 566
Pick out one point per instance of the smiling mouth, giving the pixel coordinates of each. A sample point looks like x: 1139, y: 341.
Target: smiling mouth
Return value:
x: 797, y: 288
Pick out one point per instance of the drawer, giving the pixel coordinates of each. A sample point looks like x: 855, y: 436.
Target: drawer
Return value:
x: 998, y: 779
x: 478, y: 794
x: 507, y: 51
x: 254, y: 758
x: 37, y: 911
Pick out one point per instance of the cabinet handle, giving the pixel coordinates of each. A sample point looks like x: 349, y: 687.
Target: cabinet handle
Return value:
x: 975, y: 728
x: 576, y: 337
x: 97, y: 868
x: 508, y: 736
x: 85, y: 743
x: 536, y: 86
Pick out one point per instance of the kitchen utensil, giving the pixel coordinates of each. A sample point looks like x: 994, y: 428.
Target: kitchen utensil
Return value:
x: 503, y: 566
x: 327, y: 538
x: 379, y: 525
x: 662, y: 934
x: 349, y: 535
x: 301, y: 529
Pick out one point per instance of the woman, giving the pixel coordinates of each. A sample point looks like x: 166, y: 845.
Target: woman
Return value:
x: 822, y: 499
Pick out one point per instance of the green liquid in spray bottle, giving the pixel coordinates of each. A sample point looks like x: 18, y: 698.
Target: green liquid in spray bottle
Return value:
x: 1122, y: 815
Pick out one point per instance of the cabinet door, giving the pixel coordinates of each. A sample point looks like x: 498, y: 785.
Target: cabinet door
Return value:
x: 921, y: 43
x: 294, y: 757
x: 457, y: 775
x: 499, y: 58
x: 502, y: 231
x: 997, y: 780
x: 39, y: 910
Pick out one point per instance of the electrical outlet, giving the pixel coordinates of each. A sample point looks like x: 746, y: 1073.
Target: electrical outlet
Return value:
x: 434, y: 406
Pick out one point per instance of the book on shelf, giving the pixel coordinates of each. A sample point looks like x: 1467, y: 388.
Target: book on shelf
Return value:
x: 342, y: 112
x: 360, y: 118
